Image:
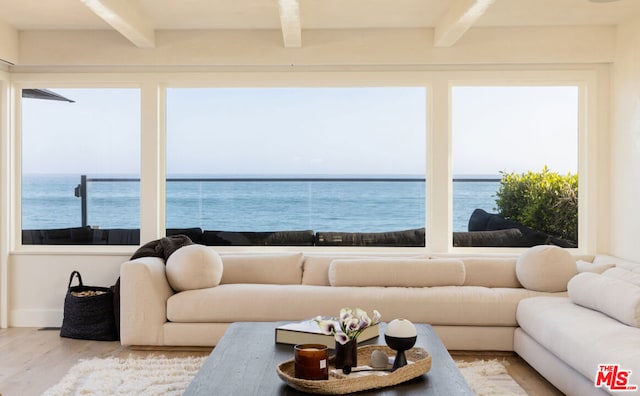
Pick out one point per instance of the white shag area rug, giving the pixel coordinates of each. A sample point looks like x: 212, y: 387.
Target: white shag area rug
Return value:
x: 154, y: 375
x: 489, y: 378
x: 157, y: 375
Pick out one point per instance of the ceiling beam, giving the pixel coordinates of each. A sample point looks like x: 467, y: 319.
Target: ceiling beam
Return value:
x: 458, y: 19
x: 127, y: 18
x: 290, y: 23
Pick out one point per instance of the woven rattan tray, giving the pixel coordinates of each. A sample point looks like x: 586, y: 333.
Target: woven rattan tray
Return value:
x: 420, y: 363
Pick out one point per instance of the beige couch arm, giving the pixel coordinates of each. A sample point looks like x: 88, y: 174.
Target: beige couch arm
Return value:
x: 144, y: 291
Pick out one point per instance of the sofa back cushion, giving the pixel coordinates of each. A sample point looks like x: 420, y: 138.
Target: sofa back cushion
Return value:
x: 278, y: 269
x: 316, y: 267
x: 491, y: 272
x: 396, y: 272
x: 624, y: 275
x: 602, y: 259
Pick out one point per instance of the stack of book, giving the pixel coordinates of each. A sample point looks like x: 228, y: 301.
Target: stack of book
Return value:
x: 308, y: 332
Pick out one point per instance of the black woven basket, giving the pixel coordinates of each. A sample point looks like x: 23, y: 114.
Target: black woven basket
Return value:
x: 88, y: 317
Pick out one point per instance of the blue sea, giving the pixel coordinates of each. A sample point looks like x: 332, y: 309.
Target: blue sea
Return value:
x: 48, y: 201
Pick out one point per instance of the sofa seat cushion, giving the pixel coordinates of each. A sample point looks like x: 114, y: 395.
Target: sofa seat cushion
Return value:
x: 581, y: 337
x: 444, y: 305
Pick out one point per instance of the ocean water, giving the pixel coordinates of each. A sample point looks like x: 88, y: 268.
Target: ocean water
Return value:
x: 48, y: 201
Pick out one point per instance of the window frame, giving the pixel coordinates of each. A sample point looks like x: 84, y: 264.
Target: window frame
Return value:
x: 417, y: 86
x: 16, y: 153
x: 438, y: 83
x: 132, y: 92
x: 588, y: 158
x: 581, y: 87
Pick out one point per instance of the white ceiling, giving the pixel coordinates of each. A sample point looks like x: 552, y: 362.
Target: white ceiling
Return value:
x: 151, y: 15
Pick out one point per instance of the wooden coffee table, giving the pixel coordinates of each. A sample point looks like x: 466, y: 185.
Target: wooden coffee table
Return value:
x: 244, y: 363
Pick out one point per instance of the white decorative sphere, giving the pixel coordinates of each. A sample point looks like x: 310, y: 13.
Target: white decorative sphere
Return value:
x: 401, y: 328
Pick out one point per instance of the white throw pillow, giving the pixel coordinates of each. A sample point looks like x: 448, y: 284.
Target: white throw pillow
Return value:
x: 194, y: 267
x: 585, y: 266
x: 545, y: 268
x: 397, y: 272
x: 613, y: 297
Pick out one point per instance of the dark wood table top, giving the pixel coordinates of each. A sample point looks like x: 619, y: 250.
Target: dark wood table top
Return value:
x: 244, y: 363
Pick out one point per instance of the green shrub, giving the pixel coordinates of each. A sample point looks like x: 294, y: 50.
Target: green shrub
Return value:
x: 545, y: 201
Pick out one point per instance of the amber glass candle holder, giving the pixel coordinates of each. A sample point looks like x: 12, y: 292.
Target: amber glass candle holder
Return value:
x: 310, y: 361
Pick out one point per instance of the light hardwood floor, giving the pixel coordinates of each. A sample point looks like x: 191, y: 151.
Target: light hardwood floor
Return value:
x: 33, y: 360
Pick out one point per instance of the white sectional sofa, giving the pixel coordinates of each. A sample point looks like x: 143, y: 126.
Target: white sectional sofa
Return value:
x: 470, y: 301
x: 567, y: 339
x: 517, y: 303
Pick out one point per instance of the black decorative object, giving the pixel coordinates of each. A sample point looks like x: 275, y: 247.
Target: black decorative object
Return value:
x: 347, y: 355
x: 400, y: 336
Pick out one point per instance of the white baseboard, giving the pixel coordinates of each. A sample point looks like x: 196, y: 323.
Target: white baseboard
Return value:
x: 35, y: 318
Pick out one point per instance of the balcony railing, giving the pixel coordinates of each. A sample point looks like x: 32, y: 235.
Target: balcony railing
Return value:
x: 81, y: 189
x: 407, y: 236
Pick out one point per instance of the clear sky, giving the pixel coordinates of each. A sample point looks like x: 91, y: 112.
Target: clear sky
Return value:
x: 297, y: 130
x: 514, y: 129
x: 354, y: 131
x: 99, y: 133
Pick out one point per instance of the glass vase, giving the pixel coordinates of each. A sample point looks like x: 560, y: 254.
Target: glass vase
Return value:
x: 346, y: 355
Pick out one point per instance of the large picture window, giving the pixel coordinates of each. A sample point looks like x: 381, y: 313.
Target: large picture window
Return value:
x: 515, y: 162
x: 344, y: 162
x: 80, y: 166
x: 297, y: 166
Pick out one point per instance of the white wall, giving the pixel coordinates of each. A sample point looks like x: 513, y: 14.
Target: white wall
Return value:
x: 38, y: 283
x: 8, y: 43
x: 388, y: 47
x: 625, y: 143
